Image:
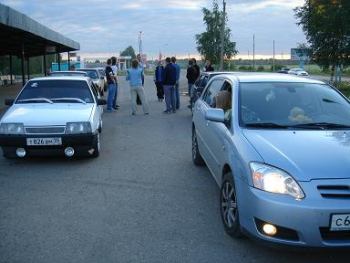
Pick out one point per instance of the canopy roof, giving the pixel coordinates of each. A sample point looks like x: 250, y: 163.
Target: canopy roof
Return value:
x: 19, y: 32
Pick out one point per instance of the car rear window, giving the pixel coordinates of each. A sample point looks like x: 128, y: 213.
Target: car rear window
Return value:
x: 54, y: 89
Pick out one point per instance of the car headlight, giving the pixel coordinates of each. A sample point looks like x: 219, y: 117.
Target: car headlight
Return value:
x: 11, y: 128
x: 78, y: 127
x: 274, y: 180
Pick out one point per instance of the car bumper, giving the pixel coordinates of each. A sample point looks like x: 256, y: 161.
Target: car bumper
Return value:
x: 81, y: 143
x: 300, y: 223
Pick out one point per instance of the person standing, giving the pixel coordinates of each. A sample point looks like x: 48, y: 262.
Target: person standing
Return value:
x: 191, y: 79
x: 158, y: 80
x: 134, y: 76
x: 111, y: 85
x: 208, y: 66
x: 169, y: 81
x: 198, y: 70
x: 115, y: 72
x: 177, y: 92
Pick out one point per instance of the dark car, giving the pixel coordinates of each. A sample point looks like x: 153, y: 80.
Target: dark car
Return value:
x: 284, y: 70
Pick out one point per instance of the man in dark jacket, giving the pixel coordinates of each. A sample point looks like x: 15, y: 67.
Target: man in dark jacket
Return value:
x: 158, y: 80
x: 169, y: 81
x: 198, y: 70
x: 191, y: 76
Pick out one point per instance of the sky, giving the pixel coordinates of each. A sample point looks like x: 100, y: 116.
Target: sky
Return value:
x: 168, y: 26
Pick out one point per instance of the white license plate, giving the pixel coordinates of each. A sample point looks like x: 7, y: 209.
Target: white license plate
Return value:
x: 43, y: 141
x: 340, y: 222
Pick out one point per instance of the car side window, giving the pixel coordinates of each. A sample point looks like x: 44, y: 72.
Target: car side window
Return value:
x: 212, y: 91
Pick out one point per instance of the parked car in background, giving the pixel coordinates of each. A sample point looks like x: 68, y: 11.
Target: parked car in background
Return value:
x: 53, y: 115
x: 298, y: 72
x: 280, y: 155
x: 68, y: 73
x: 103, y: 73
x: 283, y: 70
x: 96, y: 77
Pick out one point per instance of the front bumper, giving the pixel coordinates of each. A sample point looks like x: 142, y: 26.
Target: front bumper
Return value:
x: 81, y: 143
x: 309, y: 218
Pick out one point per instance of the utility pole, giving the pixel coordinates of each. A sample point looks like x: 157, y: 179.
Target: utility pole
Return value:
x: 273, y: 59
x: 140, y: 45
x: 253, y: 52
x: 223, y: 36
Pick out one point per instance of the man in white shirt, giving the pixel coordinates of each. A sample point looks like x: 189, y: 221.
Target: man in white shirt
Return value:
x: 115, y: 72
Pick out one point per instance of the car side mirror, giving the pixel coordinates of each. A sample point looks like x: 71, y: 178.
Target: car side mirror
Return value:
x: 9, y: 102
x: 216, y: 115
x: 101, y: 102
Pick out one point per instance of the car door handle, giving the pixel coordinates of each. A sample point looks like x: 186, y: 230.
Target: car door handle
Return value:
x: 207, y: 124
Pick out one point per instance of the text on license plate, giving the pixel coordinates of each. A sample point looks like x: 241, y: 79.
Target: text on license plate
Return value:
x: 340, y: 222
x: 44, y: 141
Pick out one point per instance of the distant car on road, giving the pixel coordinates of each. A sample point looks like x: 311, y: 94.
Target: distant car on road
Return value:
x: 283, y: 70
x: 96, y: 77
x: 298, y: 72
x: 280, y: 155
x: 53, y: 115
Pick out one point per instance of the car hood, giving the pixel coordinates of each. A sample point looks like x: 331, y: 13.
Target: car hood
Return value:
x: 306, y: 155
x: 42, y: 114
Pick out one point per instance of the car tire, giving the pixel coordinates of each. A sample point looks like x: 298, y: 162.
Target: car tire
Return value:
x: 96, y: 146
x: 229, y: 207
x: 100, y: 127
x: 196, y: 156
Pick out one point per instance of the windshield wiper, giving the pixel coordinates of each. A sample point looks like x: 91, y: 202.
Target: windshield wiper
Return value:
x: 38, y: 100
x: 70, y: 99
x: 321, y: 125
x: 268, y: 125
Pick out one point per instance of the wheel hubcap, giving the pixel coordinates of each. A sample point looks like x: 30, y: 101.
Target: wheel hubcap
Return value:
x: 228, y: 204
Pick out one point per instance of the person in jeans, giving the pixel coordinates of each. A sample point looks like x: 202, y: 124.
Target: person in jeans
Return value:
x: 177, y: 92
x: 169, y: 81
x: 158, y: 80
x: 115, y: 72
x: 134, y: 76
x: 111, y: 85
x: 191, y: 78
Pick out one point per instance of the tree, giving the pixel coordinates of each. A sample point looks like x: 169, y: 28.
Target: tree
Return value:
x: 327, y: 28
x: 129, y: 51
x: 208, y: 43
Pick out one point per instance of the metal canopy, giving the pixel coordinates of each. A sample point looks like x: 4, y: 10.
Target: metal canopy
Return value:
x: 19, y: 33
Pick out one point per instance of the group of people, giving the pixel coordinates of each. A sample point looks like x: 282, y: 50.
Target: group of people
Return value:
x: 166, y: 79
x: 167, y: 82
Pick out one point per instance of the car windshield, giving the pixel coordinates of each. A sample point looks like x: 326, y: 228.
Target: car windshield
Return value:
x: 91, y: 73
x: 297, y: 105
x: 44, y: 91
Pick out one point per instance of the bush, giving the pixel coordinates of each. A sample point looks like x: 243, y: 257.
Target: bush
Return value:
x: 261, y: 68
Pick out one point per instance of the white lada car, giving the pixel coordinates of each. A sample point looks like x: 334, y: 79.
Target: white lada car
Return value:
x: 53, y: 116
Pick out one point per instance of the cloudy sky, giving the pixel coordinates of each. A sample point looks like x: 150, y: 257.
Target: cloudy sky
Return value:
x: 168, y: 26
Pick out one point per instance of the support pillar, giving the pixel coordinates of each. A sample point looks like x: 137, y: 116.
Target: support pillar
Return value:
x: 68, y: 61
x: 28, y: 68
x: 59, y: 61
x: 22, y: 66
x: 44, y: 63
x: 11, y: 71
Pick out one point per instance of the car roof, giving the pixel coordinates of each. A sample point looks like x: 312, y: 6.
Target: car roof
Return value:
x: 83, y: 69
x: 61, y: 78
x: 269, y: 77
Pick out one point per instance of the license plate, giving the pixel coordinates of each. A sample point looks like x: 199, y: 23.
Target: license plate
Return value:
x: 340, y: 222
x: 43, y: 141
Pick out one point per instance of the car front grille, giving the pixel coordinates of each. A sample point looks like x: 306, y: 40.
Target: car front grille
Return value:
x: 334, y: 191
x: 45, y: 130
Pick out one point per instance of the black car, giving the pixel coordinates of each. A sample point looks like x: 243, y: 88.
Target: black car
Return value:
x: 283, y: 70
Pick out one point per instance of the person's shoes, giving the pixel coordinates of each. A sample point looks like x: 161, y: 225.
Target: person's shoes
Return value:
x: 133, y: 113
x: 117, y: 106
x: 147, y: 113
x: 166, y: 111
x: 111, y: 110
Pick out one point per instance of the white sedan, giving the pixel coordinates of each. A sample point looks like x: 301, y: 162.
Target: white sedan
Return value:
x: 298, y: 72
x: 53, y: 115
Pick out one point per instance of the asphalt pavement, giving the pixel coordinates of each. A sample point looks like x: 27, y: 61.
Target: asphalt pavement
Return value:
x: 142, y: 200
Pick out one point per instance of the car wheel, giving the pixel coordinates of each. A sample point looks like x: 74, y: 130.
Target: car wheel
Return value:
x: 229, y: 207
x: 196, y: 156
x: 97, y: 146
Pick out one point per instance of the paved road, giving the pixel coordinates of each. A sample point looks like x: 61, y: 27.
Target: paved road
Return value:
x: 142, y: 200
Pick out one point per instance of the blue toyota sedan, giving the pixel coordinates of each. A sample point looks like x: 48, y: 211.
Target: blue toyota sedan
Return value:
x: 279, y: 148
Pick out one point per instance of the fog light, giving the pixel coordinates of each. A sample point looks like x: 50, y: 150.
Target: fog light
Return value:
x: 21, y: 152
x: 69, y: 151
x: 269, y: 229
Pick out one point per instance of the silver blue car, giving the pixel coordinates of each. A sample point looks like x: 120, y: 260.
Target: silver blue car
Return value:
x: 279, y: 148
